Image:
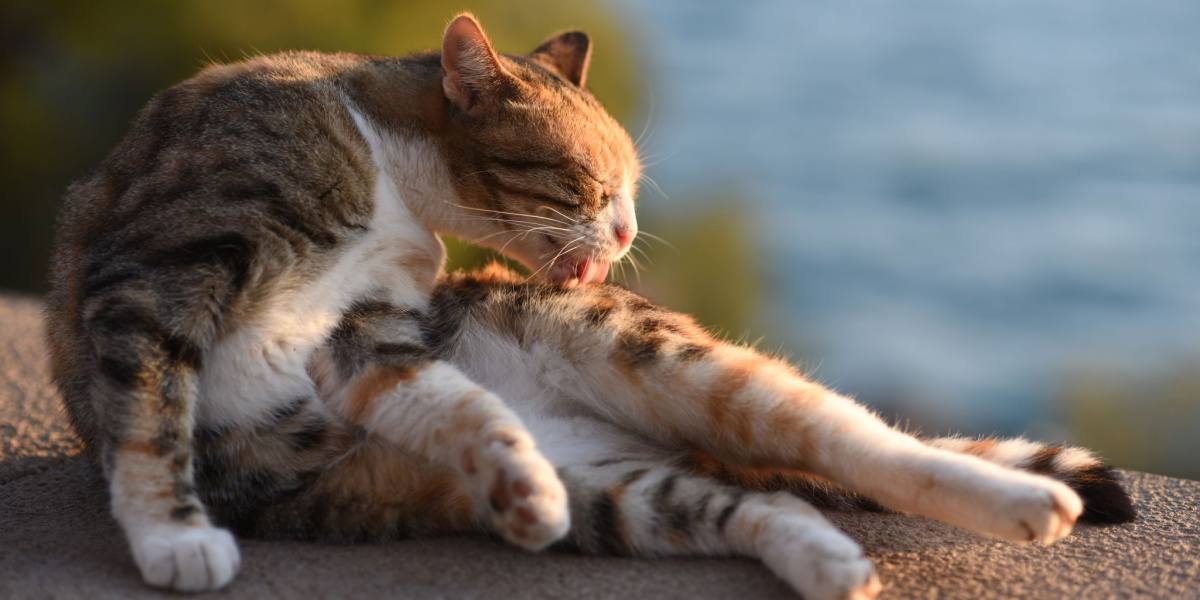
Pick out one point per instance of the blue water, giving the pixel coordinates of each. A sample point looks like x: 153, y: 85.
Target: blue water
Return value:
x: 959, y: 202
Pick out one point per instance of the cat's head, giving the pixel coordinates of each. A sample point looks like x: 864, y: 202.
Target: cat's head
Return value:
x: 546, y: 174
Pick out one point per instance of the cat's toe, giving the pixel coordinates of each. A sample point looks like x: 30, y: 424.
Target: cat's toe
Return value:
x: 1043, y: 511
x: 187, y: 558
x: 824, y: 563
x: 846, y: 579
x: 527, y: 500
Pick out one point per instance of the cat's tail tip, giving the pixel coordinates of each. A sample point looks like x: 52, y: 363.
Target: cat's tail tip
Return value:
x: 1105, y: 499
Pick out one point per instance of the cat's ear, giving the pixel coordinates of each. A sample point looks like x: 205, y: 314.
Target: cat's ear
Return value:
x: 470, y: 67
x: 568, y: 53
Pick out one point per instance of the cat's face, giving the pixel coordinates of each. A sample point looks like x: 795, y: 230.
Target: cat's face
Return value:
x: 535, y: 158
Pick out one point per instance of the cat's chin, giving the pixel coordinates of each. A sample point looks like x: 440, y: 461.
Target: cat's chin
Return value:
x: 578, y: 271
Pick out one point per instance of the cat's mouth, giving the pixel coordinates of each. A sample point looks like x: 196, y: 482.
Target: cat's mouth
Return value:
x: 578, y: 271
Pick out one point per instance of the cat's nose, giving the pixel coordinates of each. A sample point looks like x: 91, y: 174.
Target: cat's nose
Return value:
x: 624, y: 235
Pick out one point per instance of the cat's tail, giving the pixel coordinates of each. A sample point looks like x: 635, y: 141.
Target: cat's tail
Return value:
x: 1105, y: 500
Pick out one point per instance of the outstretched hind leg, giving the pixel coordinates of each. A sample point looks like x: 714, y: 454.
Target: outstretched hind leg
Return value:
x: 1105, y: 501
x: 645, y: 508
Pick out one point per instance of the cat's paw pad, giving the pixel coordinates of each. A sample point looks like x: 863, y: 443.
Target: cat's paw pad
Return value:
x: 827, y: 564
x: 186, y: 558
x: 1041, y: 510
x: 525, y: 497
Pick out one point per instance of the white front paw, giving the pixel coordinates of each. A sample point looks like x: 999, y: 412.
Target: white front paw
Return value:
x: 186, y: 558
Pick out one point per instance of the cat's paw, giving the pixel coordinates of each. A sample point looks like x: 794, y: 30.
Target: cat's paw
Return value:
x: 186, y: 558
x: 824, y: 563
x: 1031, y: 508
x: 525, y: 498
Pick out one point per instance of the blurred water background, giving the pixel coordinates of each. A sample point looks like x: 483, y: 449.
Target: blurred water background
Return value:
x: 966, y: 211
x: 976, y: 217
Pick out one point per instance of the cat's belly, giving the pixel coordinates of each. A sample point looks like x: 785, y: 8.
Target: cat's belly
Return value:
x: 530, y: 382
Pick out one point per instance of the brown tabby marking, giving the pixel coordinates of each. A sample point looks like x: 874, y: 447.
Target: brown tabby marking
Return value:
x: 370, y: 385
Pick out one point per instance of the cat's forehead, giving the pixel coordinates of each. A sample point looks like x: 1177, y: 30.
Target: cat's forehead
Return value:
x: 581, y: 129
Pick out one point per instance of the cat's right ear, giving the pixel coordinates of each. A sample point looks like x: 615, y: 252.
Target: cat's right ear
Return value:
x: 470, y: 67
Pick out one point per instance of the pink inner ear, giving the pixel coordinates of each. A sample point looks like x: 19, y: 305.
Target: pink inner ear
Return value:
x: 468, y: 61
x: 453, y: 91
x: 465, y: 43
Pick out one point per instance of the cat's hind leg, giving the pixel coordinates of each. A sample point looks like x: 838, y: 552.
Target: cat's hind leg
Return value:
x: 144, y: 395
x: 1105, y: 501
x: 658, y: 373
x: 647, y: 508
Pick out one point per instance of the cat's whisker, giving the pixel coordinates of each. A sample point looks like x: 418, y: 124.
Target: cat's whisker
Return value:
x: 522, y: 235
x: 650, y: 127
x: 513, y: 232
x: 566, y: 247
x: 527, y: 224
x: 654, y: 184
x: 620, y: 267
x: 656, y: 159
x: 645, y: 256
x: 569, y: 221
x: 657, y: 238
x: 636, y: 270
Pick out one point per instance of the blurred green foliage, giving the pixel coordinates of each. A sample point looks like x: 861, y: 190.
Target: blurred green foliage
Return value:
x: 1148, y: 422
x: 702, y: 265
x: 73, y: 73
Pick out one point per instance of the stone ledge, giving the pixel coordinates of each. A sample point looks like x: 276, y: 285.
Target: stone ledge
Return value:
x: 57, y: 540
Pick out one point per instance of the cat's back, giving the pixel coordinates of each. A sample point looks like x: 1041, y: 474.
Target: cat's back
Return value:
x: 258, y: 155
x: 233, y: 118
x: 209, y: 151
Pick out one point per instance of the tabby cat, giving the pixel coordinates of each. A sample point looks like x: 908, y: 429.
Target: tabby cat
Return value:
x: 252, y: 332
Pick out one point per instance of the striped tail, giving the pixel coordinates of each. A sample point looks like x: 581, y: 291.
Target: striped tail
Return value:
x: 1105, y: 500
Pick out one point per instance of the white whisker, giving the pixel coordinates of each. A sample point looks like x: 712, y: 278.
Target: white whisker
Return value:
x: 657, y: 239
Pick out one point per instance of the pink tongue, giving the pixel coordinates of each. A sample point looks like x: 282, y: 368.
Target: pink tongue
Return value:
x: 592, y: 271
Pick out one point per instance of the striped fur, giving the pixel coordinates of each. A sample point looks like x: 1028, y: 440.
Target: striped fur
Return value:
x: 251, y: 331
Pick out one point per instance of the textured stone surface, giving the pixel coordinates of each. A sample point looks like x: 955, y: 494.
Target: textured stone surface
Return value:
x: 57, y: 540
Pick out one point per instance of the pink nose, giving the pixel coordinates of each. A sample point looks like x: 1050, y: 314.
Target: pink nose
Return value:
x: 623, y: 234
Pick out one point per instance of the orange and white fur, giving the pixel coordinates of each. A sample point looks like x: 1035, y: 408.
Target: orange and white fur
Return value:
x: 253, y: 332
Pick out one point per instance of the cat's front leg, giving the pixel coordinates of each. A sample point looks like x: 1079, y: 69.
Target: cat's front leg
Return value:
x: 391, y: 386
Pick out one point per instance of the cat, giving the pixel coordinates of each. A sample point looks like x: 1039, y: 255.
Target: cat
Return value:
x: 252, y: 332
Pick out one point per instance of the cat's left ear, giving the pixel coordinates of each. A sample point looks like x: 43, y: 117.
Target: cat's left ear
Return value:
x: 568, y: 53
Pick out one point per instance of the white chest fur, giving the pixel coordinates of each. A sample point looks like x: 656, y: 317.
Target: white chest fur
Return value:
x: 263, y: 363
